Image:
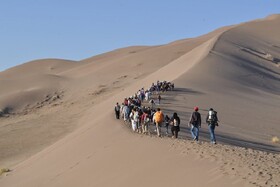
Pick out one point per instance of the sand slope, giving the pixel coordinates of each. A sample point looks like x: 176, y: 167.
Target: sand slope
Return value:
x: 228, y: 69
x: 242, y: 84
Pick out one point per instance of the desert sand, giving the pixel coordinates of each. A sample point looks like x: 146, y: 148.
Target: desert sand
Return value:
x: 57, y: 125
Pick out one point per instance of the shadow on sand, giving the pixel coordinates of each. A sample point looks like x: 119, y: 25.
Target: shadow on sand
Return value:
x: 184, y: 112
x: 229, y: 140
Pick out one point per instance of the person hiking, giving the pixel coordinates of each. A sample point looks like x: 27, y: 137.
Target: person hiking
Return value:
x: 195, y: 122
x: 212, y: 121
x: 121, y: 111
x: 117, y: 111
x: 167, y: 120
x: 139, y: 122
x: 134, y: 118
x: 145, y: 118
x: 152, y: 103
x: 175, y: 122
x: 172, y: 86
x: 159, y: 98
x: 159, y: 118
x: 147, y: 95
x: 126, y: 112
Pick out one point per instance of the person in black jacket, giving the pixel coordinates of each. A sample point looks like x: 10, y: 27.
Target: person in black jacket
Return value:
x: 195, y: 122
x: 167, y: 120
x: 117, y: 111
x: 175, y: 122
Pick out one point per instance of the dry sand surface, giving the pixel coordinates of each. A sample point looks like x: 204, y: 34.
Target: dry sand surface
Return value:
x: 57, y: 126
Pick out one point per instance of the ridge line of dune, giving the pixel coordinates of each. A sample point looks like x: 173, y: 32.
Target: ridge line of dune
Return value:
x: 224, y: 32
x: 185, y: 62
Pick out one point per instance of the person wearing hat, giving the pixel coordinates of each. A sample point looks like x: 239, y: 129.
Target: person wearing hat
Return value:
x: 212, y: 121
x: 195, y: 123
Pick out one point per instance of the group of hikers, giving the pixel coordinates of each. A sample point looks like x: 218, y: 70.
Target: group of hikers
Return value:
x: 140, y: 117
x: 211, y: 120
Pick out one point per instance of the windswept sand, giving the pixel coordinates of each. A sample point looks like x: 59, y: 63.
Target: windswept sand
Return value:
x: 61, y: 129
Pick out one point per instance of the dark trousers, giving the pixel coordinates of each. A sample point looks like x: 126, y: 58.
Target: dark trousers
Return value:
x: 175, y: 130
x: 117, y: 114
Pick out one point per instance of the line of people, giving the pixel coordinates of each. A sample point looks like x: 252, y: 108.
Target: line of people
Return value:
x: 140, y: 117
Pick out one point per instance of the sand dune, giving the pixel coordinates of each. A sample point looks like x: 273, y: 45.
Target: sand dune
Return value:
x: 233, y: 69
x: 32, y: 83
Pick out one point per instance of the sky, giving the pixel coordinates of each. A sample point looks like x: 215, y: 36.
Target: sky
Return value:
x: 78, y: 29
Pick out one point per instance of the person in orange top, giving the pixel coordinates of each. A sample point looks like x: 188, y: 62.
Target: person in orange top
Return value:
x: 158, y: 118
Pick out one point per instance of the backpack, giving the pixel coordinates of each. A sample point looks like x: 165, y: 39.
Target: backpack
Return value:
x: 175, y: 122
x: 159, y: 117
x: 146, y: 118
x: 212, y: 117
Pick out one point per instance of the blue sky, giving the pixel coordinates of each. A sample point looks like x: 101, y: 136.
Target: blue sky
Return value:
x: 78, y: 29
